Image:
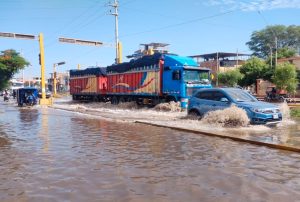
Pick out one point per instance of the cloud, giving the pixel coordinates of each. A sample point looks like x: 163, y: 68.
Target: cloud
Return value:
x: 255, y: 5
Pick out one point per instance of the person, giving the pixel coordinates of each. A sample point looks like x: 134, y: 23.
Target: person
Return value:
x: 30, y: 99
x: 273, y: 93
x: 6, y: 95
x: 14, y: 94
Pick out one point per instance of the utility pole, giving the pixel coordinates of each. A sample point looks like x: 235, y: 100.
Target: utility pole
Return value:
x: 237, y: 58
x: 276, y: 46
x: 217, y: 81
x: 115, y: 5
x: 271, y: 55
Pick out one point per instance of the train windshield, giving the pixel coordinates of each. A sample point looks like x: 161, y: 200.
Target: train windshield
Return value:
x: 196, y: 76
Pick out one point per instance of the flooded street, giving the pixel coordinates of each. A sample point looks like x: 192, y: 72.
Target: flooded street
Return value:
x: 53, y: 155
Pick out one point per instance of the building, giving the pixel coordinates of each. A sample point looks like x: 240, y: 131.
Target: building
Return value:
x: 293, y: 60
x: 221, y: 61
x: 32, y: 82
x: 62, y: 82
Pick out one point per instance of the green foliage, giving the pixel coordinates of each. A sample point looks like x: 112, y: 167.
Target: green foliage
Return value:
x: 288, y: 38
x: 295, y: 112
x: 10, y: 63
x: 285, y: 77
x: 230, y: 78
x: 285, y: 53
x: 254, y: 69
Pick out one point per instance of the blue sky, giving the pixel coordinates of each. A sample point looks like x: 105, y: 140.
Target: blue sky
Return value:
x: 190, y: 27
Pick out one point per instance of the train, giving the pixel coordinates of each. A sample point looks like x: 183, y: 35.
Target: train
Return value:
x: 147, y: 80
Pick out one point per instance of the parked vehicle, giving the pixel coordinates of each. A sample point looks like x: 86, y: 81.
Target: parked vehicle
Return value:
x: 206, y: 100
x: 273, y: 95
x: 27, y: 96
x: 148, y: 80
x: 48, y: 93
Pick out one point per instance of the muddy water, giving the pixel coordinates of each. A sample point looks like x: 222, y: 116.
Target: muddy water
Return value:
x: 52, y: 155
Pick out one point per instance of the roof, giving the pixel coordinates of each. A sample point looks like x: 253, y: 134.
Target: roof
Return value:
x: 219, y: 54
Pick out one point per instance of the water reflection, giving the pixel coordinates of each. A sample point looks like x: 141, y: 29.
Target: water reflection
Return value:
x: 3, y: 141
x: 28, y: 115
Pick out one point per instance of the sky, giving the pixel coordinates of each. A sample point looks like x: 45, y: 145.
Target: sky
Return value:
x: 191, y: 27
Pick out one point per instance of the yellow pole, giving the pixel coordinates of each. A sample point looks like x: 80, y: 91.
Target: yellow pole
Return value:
x: 78, y: 66
x: 54, y: 80
x: 43, y: 100
x: 119, y: 52
x: 41, y: 41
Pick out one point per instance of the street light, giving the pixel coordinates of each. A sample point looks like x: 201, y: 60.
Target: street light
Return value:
x: 80, y: 41
x: 17, y: 36
x: 54, y: 76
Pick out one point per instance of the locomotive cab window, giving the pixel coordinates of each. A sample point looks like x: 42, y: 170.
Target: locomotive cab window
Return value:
x: 176, y: 75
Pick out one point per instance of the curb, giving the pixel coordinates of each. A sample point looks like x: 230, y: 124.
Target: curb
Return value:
x: 270, y: 145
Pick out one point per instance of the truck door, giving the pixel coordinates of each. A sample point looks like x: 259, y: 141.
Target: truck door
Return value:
x: 171, y: 82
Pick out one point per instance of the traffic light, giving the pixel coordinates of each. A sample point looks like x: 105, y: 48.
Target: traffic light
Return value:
x: 40, y: 61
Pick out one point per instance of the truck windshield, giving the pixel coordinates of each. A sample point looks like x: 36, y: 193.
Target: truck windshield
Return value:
x: 196, y: 76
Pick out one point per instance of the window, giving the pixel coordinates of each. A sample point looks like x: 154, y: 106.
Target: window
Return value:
x: 207, y: 95
x: 217, y: 96
x: 195, y: 76
x: 176, y: 75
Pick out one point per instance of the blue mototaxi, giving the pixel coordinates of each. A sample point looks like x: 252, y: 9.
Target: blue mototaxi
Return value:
x: 27, y: 96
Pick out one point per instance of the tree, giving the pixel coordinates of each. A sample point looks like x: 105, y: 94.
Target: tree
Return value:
x: 10, y: 63
x: 263, y: 41
x: 230, y: 78
x: 254, y: 69
x: 285, y: 77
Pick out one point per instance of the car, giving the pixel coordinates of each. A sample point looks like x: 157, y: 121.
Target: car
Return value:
x: 48, y: 94
x: 205, y: 100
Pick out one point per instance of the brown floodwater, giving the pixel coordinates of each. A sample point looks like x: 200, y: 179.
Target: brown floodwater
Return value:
x: 53, y: 155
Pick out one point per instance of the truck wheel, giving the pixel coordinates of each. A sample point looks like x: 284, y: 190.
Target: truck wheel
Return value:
x: 171, y: 98
x: 194, y: 115
x: 122, y: 99
x: 95, y: 99
x: 114, y: 100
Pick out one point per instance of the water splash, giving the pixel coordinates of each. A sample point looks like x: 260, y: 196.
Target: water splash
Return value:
x: 285, y: 110
x: 168, y: 107
x: 229, y: 117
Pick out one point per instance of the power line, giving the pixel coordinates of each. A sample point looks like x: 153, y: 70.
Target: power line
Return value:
x: 180, y: 24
